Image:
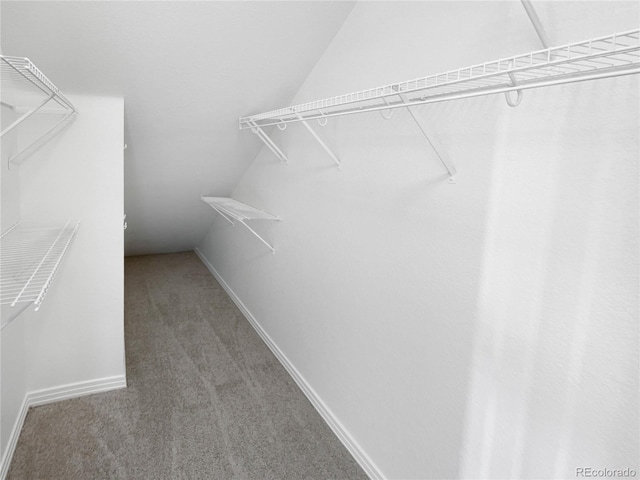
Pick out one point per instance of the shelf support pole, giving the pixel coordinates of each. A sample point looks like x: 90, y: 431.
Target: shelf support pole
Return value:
x: 222, y: 215
x: 273, y: 250
x: 44, y: 138
x: 26, y: 115
x: 537, y: 24
x: 322, y: 144
x: 268, y: 142
x: 451, y: 169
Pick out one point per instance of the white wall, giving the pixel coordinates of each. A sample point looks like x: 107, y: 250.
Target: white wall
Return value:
x: 181, y: 130
x: 13, y: 354
x: 77, y: 337
x: 10, y: 184
x: 486, y: 329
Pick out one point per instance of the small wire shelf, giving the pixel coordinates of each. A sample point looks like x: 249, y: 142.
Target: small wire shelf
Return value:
x: 27, y: 91
x: 239, y: 211
x: 601, y: 57
x: 30, y: 255
x: 231, y: 210
x: 21, y: 79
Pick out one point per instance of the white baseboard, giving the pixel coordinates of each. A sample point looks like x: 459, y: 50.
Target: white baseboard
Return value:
x: 74, y: 390
x: 325, y: 412
x: 55, y: 394
x: 13, y: 439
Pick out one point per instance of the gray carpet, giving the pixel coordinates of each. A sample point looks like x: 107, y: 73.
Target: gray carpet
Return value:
x: 206, y: 398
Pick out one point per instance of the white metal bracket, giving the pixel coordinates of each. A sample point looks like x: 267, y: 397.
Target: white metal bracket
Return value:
x: 223, y: 215
x: 537, y: 24
x: 230, y: 220
x: 322, y: 144
x: 18, y: 73
x: 544, y: 40
x: 451, y: 169
x: 268, y: 142
x: 26, y: 115
x: 40, y: 141
x: 44, y: 137
x: 273, y: 250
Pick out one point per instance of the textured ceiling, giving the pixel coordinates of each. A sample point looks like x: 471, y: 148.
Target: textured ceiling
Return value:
x: 187, y: 70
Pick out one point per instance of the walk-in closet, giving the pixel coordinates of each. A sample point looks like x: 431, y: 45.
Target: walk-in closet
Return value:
x: 394, y: 240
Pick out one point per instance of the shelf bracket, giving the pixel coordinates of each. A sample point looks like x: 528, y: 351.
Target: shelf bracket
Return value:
x: 26, y: 115
x: 537, y: 24
x: 226, y: 217
x: 44, y: 138
x: 223, y: 215
x: 268, y: 142
x: 273, y: 250
x: 18, y: 69
x: 544, y: 40
x: 516, y: 102
x: 451, y: 169
x: 322, y: 144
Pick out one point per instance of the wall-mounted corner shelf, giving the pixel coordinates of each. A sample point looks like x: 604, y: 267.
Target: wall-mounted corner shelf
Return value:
x: 231, y: 210
x: 596, y: 58
x: 27, y: 91
x: 30, y: 255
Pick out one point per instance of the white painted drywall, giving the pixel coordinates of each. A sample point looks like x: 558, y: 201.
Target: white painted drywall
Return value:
x: 487, y: 329
x: 77, y: 336
x: 13, y: 384
x: 10, y: 184
x: 187, y: 70
x: 13, y: 354
x: 81, y: 177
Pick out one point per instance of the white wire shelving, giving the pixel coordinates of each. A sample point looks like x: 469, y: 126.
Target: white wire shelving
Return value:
x: 27, y: 91
x: 602, y: 57
x: 596, y: 58
x: 30, y: 255
x: 231, y: 210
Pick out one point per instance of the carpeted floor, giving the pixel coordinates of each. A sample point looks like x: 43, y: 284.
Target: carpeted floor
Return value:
x: 206, y: 398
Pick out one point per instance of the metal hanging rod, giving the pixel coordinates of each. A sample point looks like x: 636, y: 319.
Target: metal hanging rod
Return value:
x: 30, y: 255
x: 231, y: 210
x: 596, y: 58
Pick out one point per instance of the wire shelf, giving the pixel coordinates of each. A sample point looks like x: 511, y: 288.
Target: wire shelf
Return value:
x: 22, y: 80
x: 601, y: 57
x: 27, y: 91
x: 231, y: 210
x: 30, y: 255
x: 237, y: 210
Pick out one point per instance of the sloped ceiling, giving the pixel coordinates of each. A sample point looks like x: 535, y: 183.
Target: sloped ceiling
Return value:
x: 187, y: 70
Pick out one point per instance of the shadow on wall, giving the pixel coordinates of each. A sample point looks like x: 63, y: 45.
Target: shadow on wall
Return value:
x: 555, y: 365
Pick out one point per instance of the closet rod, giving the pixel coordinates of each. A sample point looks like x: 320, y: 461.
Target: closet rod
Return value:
x: 602, y: 57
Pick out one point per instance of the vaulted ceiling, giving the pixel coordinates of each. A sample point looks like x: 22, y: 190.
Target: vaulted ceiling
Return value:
x: 187, y: 70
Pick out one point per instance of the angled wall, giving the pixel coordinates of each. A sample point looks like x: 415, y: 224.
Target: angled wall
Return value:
x: 485, y: 329
x: 188, y: 70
